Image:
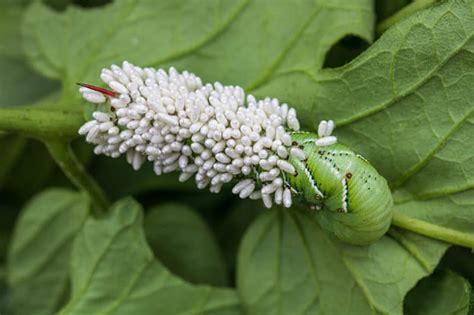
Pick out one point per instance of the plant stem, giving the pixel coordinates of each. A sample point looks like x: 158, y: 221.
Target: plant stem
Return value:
x: 432, y: 230
x: 407, y: 10
x: 41, y: 122
x: 64, y: 156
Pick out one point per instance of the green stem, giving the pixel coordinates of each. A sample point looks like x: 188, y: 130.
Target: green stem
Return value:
x: 64, y: 156
x: 41, y: 122
x: 433, y: 230
x: 404, y: 12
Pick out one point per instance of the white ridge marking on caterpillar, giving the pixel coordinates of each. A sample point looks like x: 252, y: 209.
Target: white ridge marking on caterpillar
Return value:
x: 362, y: 158
x: 345, y: 193
x: 333, y: 169
x: 313, y: 183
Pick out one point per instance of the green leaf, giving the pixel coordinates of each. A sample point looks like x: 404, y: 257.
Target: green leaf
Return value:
x: 445, y: 186
x: 443, y: 293
x: 10, y: 28
x: 407, y: 105
x: 114, y: 271
x: 288, y: 265
x: 183, y: 242
x: 449, y: 214
x: 232, y: 227
x: 450, y: 169
x: 403, y: 99
x: 211, y: 37
x: 38, y: 260
x: 20, y: 85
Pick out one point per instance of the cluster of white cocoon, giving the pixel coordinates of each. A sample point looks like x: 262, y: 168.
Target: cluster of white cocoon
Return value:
x: 209, y: 132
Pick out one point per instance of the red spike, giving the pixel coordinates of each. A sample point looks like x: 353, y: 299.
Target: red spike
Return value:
x: 99, y: 89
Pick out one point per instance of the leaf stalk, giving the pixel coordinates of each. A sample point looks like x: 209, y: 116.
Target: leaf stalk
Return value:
x: 432, y: 230
x: 41, y: 122
x: 64, y: 156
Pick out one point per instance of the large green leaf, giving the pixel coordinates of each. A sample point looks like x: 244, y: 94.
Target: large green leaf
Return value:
x: 209, y: 37
x: 233, y: 225
x: 443, y: 293
x: 288, y: 265
x: 20, y: 85
x: 452, y: 213
x: 38, y: 261
x: 114, y: 272
x: 405, y: 98
x: 183, y: 242
x: 407, y: 104
x: 10, y: 45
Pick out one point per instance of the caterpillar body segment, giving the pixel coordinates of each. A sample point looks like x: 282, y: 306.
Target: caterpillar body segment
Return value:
x: 354, y: 200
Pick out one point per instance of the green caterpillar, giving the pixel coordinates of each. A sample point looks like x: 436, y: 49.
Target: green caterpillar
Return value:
x: 355, y: 201
x: 216, y: 135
